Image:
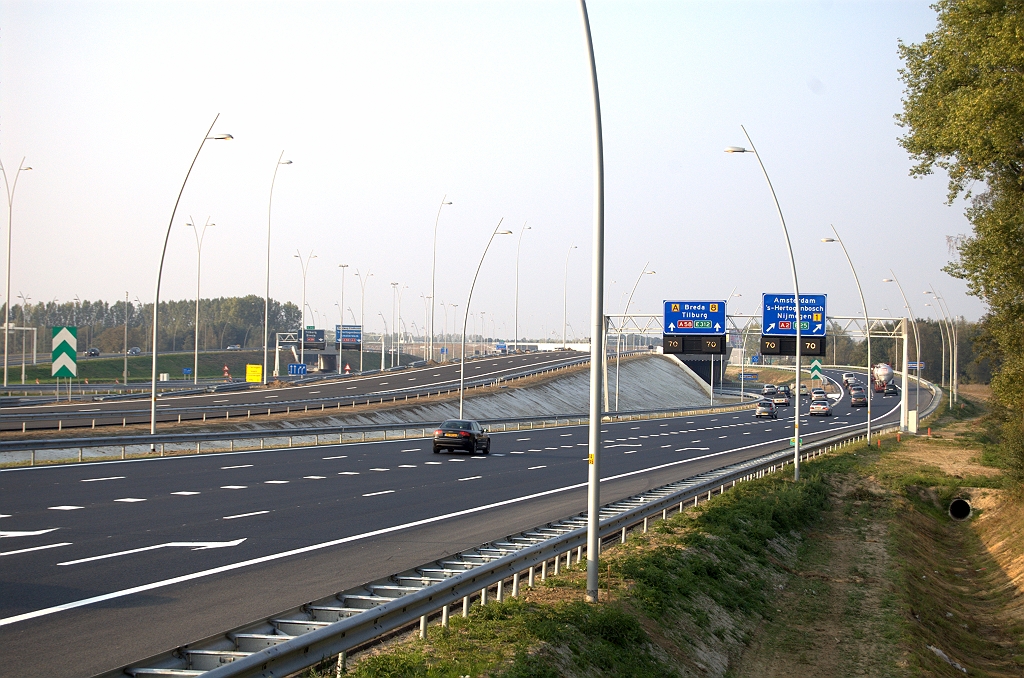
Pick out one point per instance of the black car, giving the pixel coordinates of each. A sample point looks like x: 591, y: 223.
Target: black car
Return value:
x: 93, y: 353
x: 890, y: 389
x: 462, y: 434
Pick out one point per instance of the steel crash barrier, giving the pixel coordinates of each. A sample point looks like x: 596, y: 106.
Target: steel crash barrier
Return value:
x: 210, y: 442
x: 349, y: 620
x: 12, y: 420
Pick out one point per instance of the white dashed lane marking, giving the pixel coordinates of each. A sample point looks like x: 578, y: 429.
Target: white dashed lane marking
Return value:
x: 432, y: 463
x: 184, y: 494
x: 415, y: 449
x: 130, y: 500
x: 349, y: 473
x: 534, y: 468
x: 233, y: 487
x: 470, y: 478
x: 96, y: 480
x: 407, y: 466
x: 374, y: 494
x: 380, y: 469
x: 225, y: 468
x: 276, y: 482
x: 245, y: 515
x: 343, y: 456
x: 314, y: 477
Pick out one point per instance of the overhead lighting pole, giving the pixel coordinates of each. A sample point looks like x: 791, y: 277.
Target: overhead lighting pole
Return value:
x: 11, y: 188
x: 519, y: 246
x: 433, y: 271
x: 597, y: 332
x: 266, y: 298
x: 565, y: 292
x: 302, y: 322
x: 341, y: 307
x: 160, y: 271
x: 796, y: 295
x: 867, y: 321
x: 618, y: 339
x: 917, y: 340
x: 465, y: 318
x: 199, y: 267
x: 362, y: 309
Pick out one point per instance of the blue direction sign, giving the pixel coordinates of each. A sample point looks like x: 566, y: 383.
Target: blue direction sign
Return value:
x: 778, y: 315
x: 296, y: 369
x: 694, y: 317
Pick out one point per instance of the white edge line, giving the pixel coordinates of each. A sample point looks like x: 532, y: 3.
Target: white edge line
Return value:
x: 35, y: 614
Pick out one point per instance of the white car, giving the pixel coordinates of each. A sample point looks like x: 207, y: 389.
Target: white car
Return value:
x: 820, y: 408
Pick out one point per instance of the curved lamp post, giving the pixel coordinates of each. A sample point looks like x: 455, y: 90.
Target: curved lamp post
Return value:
x: 160, y: 270
x: 867, y: 320
x: 954, y: 378
x: 942, y: 321
x: 302, y: 322
x: 384, y: 320
x: 515, y: 339
x: 199, y: 267
x: 796, y: 296
x: 266, y: 298
x: 362, y: 308
x: 565, y: 291
x: 433, y: 270
x: 341, y: 310
x: 917, y: 340
x: 465, y: 317
x: 618, y: 339
x: 11, y: 187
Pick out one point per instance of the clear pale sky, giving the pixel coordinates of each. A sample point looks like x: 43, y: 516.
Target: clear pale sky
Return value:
x: 385, y: 107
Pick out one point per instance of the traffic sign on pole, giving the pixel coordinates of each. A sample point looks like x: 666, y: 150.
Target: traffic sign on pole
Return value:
x: 695, y: 317
x: 816, y: 370
x: 65, y: 352
x: 778, y: 315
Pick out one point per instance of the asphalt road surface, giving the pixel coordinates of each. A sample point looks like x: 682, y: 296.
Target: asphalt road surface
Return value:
x: 108, y: 563
x: 46, y: 416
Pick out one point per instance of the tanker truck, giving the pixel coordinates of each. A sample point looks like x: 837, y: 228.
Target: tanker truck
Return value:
x: 881, y: 374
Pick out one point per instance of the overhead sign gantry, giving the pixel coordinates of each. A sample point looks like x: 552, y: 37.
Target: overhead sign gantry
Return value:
x: 694, y: 327
x: 779, y: 324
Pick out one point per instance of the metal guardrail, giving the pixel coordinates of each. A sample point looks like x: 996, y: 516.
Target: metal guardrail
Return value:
x: 310, y: 634
x: 203, y: 413
x: 162, y: 444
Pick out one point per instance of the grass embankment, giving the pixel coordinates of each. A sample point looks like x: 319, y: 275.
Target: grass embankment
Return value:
x: 211, y: 366
x: 765, y: 375
x: 856, y: 570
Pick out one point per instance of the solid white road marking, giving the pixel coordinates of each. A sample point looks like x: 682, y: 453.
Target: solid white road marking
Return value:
x: 534, y: 468
x: 374, y: 494
x: 35, y: 614
x: 33, y: 533
x: 245, y: 515
x: 194, y: 545
x: 233, y: 487
x: 35, y: 548
x: 343, y: 456
x: 225, y: 468
x: 130, y: 500
x: 470, y: 478
x: 96, y: 480
x: 64, y: 508
x: 185, y: 494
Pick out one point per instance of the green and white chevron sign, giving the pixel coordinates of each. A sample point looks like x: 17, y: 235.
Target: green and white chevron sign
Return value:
x: 816, y: 369
x: 65, y: 352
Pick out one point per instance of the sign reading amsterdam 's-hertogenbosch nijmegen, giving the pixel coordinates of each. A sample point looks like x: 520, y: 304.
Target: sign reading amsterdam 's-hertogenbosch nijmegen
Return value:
x: 694, y: 317
x: 778, y: 315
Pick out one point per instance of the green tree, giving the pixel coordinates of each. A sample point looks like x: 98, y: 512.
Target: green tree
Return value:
x: 963, y: 110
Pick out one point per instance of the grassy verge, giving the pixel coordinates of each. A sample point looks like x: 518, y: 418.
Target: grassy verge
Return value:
x: 679, y: 600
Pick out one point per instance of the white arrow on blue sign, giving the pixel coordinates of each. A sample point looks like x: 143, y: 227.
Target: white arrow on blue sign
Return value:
x: 694, y: 317
x: 778, y: 315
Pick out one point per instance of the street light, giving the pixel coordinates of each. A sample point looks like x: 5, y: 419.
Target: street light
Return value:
x: 266, y: 299
x: 950, y: 338
x: 867, y: 321
x: 199, y: 268
x: 465, y: 318
x: 455, y: 319
x: 24, y: 323
x: 618, y: 339
x: 11, y: 188
x: 394, y: 325
x: 796, y: 296
x: 954, y: 347
x: 362, y: 308
x: 525, y: 228
x: 341, y: 309
x: 302, y: 323
x: 384, y: 320
x: 565, y: 290
x: 433, y: 269
x: 917, y: 342
x: 160, y: 271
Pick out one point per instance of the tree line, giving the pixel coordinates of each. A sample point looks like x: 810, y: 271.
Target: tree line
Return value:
x: 963, y: 112
x: 222, y: 322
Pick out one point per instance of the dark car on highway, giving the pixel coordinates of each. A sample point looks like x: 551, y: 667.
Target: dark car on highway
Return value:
x: 93, y: 353
x: 462, y: 434
x: 890, y: 389
x: 858, y: 397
